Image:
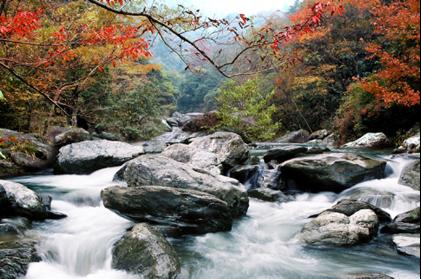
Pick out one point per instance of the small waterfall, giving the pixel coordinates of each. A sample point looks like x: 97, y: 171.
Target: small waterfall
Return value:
x: 255, y: 180
x: 387, y: 193
x: 79, y: 246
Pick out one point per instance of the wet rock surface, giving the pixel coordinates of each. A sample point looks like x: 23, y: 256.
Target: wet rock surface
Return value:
x: 186, y: 211
x: 18, y: 200
x: 89, y: 156
x: 163, y: 171
x: 145, y: 252
x: 332, y: 171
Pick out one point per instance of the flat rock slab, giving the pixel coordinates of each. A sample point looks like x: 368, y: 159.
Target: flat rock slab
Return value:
x: 187, y: 211
x: 89, y: 156
x: 334, y: 172
x: 160, y: 170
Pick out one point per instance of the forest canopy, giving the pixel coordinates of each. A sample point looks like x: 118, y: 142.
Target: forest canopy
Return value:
x: 347, y: 65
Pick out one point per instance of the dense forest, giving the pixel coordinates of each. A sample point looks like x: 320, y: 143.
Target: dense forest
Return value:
x: 356, y: 70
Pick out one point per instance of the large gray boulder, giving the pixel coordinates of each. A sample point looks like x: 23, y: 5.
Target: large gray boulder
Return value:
x: 17, y: 200
x: 300, y: 136
x: 160, y: 170
x: 15, y: 257
x: 24, y: 153
x: 185, y: 211
x: 370, y: 141
x: 88, y: 156
x: 411, y: 175
x: 145, y: 252
x: 331, y: 172
x: 210, y: 153
x: 337, y: 229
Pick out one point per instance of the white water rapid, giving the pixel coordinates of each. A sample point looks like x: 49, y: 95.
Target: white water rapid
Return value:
x: 261, y: 245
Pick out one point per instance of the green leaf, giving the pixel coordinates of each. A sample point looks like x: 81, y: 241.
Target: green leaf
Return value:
x: 2, y: 98
x: 2, y: 156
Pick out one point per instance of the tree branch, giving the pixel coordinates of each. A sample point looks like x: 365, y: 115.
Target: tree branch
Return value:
x: 33, y: 88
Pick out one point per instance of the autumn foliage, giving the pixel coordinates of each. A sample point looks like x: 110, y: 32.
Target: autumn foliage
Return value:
x: 397, y: 82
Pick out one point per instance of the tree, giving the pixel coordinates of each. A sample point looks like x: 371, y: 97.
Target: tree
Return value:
x: 57, y: 49
x: 398, y: 80
x: 245, y: 109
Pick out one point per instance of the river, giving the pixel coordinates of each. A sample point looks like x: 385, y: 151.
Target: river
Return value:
x: 261, y: 245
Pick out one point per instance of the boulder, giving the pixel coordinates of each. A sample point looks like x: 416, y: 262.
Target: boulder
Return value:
x: 331, y: 172
x: 89, y: 156
x: 370, y: 141
x: 337, y: 229
x: 15, y: 257
x: 160, y: 170
x: 410, y: 145
x: 282, y: 154
x: 210, y: 153
x: 145, y: 252
x: 319, y: 135
x: 186, y: 211
x: 17, y: 200
x: 269, y: 195
x: 23, y: 153
x: 300, y: 136
x: 407, y: 244
x: 408, y: 222
x: 411, y: 175
x: 350, y: 207
x: 71, y: 135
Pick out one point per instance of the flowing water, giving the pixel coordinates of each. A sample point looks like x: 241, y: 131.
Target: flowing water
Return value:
x: 261, y: 245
